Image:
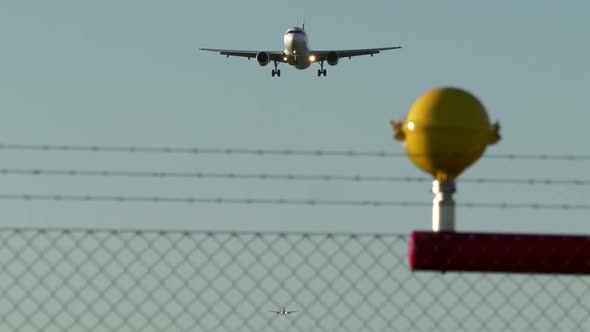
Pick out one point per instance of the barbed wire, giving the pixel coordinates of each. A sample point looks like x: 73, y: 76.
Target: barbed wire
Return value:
x: 282, y: 177
x: 269, y: 152
x: 281, y: 201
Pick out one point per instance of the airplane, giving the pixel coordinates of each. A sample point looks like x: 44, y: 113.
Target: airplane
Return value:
x: 298, y: 54
x: 283, y: 312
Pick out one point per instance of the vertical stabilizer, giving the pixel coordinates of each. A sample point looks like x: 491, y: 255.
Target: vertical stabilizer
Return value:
x: 303, y: 25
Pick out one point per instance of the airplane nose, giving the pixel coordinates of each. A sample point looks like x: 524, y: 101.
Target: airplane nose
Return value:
x: 294, y: 42
x: 289, y: 42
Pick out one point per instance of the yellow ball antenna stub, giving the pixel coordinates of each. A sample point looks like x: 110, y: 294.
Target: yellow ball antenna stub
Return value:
x: 445, y: 131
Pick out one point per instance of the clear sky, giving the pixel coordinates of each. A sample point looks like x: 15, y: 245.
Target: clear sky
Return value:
x: 127, y: 73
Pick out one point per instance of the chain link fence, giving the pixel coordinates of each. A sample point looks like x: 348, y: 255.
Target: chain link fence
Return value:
x: 94, y: 280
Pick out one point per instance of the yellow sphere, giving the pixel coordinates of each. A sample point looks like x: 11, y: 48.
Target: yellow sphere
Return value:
x: 445, y: 131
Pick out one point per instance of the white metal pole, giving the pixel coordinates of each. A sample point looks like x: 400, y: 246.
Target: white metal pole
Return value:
x: 443, y: 206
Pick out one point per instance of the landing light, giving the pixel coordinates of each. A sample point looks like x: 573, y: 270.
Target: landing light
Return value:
x: 285, y: 59
x: 312, y: 58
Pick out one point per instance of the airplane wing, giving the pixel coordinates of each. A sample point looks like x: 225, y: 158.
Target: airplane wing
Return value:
x: 323, y: 55
x: 274, y: 55
x: 290, y: 312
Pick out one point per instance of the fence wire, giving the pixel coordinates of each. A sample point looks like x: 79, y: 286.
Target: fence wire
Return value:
x: 99, y: 280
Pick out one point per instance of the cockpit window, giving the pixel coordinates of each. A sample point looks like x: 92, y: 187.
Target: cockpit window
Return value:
x: 294, y: 31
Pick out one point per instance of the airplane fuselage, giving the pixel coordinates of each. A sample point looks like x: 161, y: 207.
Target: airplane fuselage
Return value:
x: 297, y: 48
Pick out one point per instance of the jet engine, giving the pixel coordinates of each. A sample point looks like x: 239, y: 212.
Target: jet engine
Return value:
x: 263, y: 58
x: 332, y: 58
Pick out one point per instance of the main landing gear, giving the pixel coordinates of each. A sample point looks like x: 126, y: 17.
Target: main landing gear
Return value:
x: 321, y: 71
x: 276, y: 71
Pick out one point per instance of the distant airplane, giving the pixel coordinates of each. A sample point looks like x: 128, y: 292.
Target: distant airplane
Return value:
x: 298, y: 54
x: 283, y: 312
